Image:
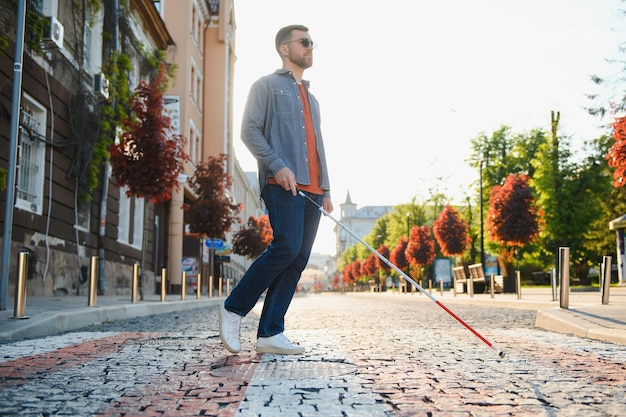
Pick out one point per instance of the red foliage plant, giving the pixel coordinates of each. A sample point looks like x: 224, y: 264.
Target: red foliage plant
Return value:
x: 513, y: 218
x: 451, y: 232
x: 252, y: 240
x: 398, y: 257
x: 384, y: 251
x: 369, y: 266
x: 148, y: 157
x: 616, y: 156
x: 421, y: 247
x: 213, y: 212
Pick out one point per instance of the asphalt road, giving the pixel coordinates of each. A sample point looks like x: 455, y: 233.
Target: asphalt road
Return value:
x: 367, y: 355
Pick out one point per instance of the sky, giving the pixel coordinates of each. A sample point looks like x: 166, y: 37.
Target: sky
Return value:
x: 404, y: 85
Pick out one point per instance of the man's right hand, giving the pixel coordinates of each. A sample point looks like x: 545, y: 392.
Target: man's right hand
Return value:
x: 286, y: 179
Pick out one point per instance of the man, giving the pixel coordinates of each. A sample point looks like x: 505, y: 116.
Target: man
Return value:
x: 281, y: 128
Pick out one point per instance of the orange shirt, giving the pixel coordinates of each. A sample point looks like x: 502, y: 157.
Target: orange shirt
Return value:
x: 311, y: 144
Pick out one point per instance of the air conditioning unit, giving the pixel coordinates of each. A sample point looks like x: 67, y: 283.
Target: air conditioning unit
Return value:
x: 101, y: 86
x: 53, y: 35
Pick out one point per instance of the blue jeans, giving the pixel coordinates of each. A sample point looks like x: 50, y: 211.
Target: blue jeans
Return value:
x: 294, y: 221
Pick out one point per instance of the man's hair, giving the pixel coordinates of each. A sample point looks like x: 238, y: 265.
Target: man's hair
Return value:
x: 284, y: 34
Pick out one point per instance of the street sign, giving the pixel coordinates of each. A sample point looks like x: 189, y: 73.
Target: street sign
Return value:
x: 222, y: 259
x: 214, y: 243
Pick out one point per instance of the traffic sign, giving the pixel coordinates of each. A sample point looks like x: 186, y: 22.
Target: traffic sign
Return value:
x: 214, y: 243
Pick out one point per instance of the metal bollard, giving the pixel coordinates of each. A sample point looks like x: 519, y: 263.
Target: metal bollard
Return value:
x: 183, y: 287
x: 470, y: 286
x: 492, y: 289
x: 564, y: 276
x: 220, y: 284
x: 554, y: 283
x: 210, y: 286
x: 163, y: 281
x: 440, y: 287
x: 518, y: 285
x: 93, y: 281
x: 199, y: 287
x: 606, y: 278
x: 228, y: 287
x: 19, y: 308
x: 135, y: 284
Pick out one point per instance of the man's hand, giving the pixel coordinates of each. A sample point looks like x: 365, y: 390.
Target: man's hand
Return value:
x: 327, y: 204
x: 286, y: 179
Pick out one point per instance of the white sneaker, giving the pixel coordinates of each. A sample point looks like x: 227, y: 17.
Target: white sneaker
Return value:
x: 230, y: 329
x: 278, y: 344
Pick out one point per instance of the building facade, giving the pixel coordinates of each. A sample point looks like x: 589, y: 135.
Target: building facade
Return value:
x: 361, y: 221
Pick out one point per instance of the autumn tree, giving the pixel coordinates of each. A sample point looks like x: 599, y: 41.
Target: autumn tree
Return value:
x: 513, y: 218
x: 451, y: 232
x: 420, y: 250
x: 369, y: 266
x: 617, y: 154
x: 213, y: 212
x: 148, y: 157
x: 252, y: 240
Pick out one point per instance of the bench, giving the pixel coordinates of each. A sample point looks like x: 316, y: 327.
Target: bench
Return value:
x: 459, y: 279
x: 477, y: 277
x: 373, y: 286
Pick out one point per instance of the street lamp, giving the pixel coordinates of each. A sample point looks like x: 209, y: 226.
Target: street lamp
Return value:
x: 482, y: 217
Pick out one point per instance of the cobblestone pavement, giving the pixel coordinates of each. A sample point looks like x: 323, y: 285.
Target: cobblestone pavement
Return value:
x: 367, y: 355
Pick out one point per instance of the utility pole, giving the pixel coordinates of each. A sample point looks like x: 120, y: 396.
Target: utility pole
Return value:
x: 12, y: 157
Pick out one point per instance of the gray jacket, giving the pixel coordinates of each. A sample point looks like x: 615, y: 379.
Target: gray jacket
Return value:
x: 273, y: 129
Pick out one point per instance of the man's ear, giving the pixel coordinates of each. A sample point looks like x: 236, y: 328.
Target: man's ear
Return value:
x: 284, y: 50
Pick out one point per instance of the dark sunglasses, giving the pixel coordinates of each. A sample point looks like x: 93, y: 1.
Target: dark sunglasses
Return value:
x: 306, y: 42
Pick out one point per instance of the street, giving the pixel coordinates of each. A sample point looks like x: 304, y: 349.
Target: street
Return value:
x: 367, y: 355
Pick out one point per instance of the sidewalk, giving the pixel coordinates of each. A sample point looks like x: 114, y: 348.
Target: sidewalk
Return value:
x: 46, y: 316
x: 586, y: 315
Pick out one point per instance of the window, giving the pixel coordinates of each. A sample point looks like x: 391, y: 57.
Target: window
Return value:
x: 195, y: 140
x: 130, y: 227
x: 31, y: 156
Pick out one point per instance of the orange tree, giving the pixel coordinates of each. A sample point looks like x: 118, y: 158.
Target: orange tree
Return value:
x: 513, y: 217
x: 382, y: 266
x: 451, y: 232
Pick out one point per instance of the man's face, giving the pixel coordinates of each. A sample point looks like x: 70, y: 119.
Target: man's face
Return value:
x: 298, y: 54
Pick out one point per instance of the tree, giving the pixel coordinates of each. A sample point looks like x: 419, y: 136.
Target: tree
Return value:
x: 451, y: 232
x: 213, y: 212
x: 252, y: 240
x: 420, y: 250
x: 398, y: 257
x: 148, y: 157
x: 513, y: 217
x: 617, y: 154
x: 369, y: 266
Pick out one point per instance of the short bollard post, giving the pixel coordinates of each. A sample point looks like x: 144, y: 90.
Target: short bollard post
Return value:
x: 163, y: 283
x: 199, y: 287
x: 183, y: 287
x: 564, y: 276
x: 220, y: 284
x: 93, y: 280
x: 135, y: 284
x: 228, y: 287
x: 19, y: 308
x: 518, y: 285
x: 210, y: 286
x: 470, y: 286
x: 441, y: 287
x: 554, y: 283
x: 492, y: 289
x: 606, y: 278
